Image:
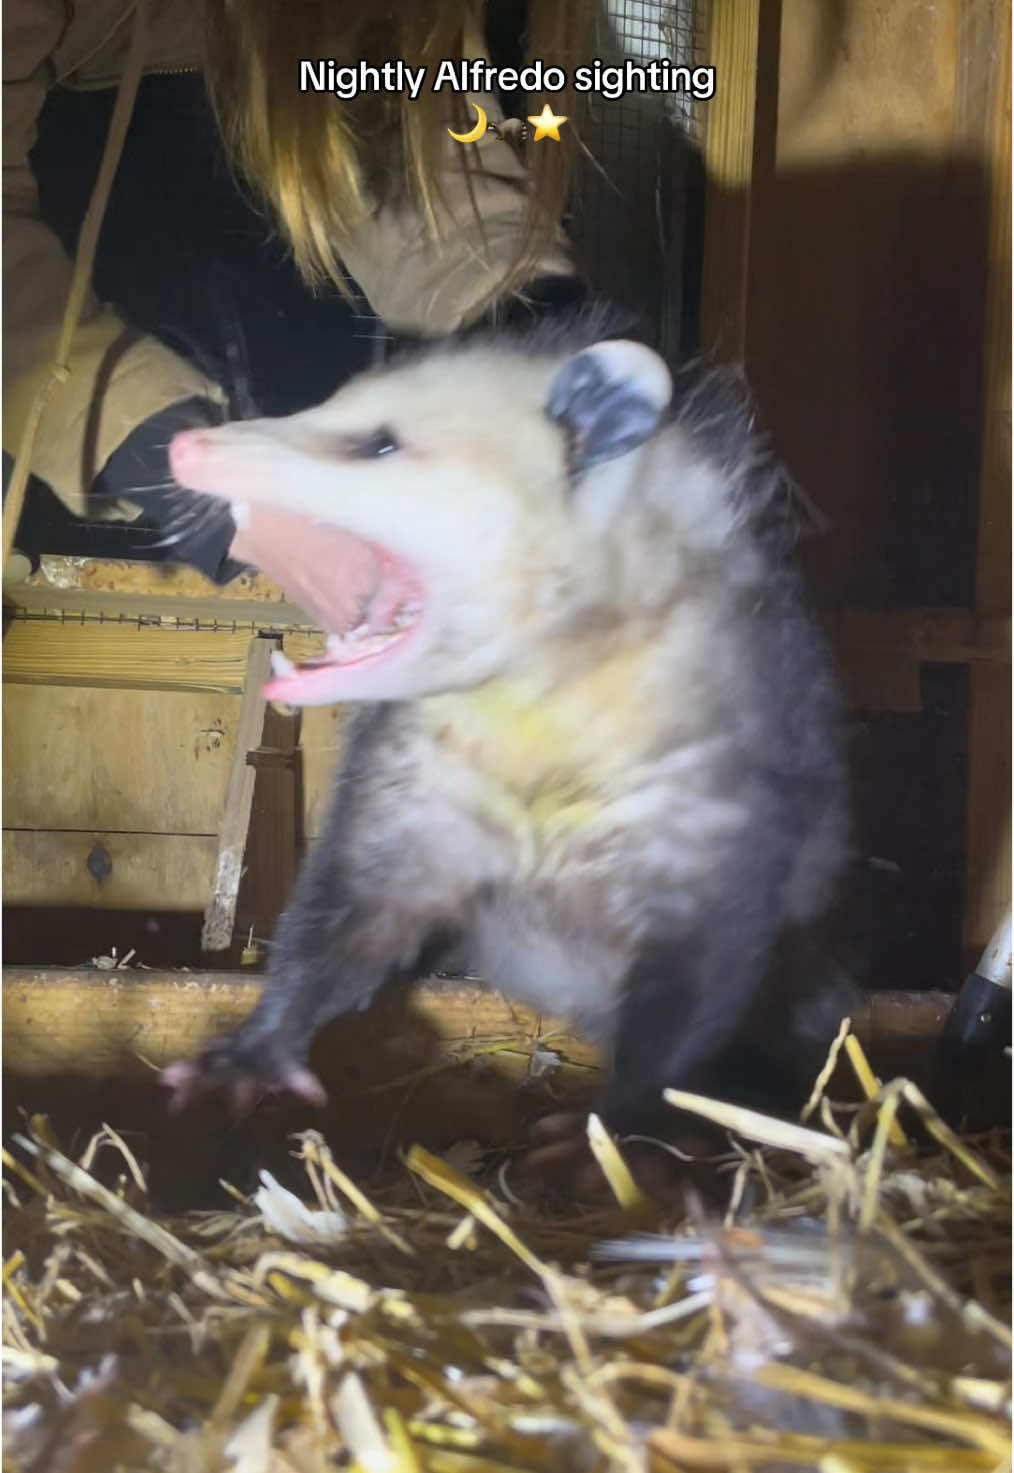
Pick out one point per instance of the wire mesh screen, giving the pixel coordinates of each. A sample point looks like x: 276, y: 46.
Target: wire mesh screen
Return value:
x: 632, y: 200
x: 630, y: 208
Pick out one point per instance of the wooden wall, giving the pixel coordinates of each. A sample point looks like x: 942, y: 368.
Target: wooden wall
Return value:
x: 858, y: 260
x: 122, y: 694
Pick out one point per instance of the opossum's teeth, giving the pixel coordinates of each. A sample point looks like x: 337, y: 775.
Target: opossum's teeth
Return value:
x: 340, y: 649
x: 356, y: 646
x: 281, y: 664
x: 326, y: 656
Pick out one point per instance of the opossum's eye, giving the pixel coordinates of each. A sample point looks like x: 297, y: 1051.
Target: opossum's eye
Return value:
x: 369, y: 446
x: 609, y: 399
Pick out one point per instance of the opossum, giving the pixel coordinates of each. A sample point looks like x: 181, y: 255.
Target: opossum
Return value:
x: 596, y: 735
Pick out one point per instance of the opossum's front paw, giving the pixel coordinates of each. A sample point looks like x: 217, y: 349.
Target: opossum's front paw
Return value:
x: 245, y: 1069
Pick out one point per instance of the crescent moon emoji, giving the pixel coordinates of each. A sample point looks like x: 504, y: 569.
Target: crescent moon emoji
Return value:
x: 477, y: 131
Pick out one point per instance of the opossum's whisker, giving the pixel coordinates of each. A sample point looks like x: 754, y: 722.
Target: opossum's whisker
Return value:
x: 176, y: 538
x: 130, y: 491
x: 196, y: 515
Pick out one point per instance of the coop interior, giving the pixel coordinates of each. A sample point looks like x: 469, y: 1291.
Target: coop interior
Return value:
x: 837, y: 218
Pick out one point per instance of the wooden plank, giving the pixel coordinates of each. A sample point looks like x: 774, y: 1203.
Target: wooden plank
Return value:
x: 275, y: 842
x: 233, y: 830
x: 66, y: 749
x: 733, y: 46
x: 122, y: 1023
x: 868, y: 232
x: 116, y: 760
x: 831, y: 57
x: 114, y: 656
x: 148, y: 871
x: 927, y: 635
x: 973, y: 86
x: 158, y: 609
x: 988, y: 822
x: 988, y: 826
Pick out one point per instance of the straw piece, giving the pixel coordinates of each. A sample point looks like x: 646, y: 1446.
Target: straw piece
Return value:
x: 454, y: 1184
x: 159, y: 1239
x: 615, y: 1170
x: 317, y: 1154
x: 966, y: 1425
x: 870, y: 1084
x: 817, y: 1148
x: 827, y: 1070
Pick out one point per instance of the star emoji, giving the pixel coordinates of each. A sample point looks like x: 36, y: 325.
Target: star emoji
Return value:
x: 547, y: 125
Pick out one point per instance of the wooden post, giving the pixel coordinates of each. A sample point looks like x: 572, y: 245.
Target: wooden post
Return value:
x: 740, y: 124
x: 275, y: 841
x: 219, y: 918
x: 988, y: 826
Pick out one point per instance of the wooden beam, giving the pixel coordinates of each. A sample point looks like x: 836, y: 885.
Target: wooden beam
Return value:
x: 232, y: 835
x: 276, y: 839
x: 988, y: 814
x: 123, y: 656
x: 168, y: 610
x: 132, y: 656
x: 140, y: 871
x: 929, y: 636
x: 124, y: 1023
x: 734, y: 44
x: 65, y: 751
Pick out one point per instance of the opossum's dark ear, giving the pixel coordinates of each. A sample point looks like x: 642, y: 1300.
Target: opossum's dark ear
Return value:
x: 609, y: 399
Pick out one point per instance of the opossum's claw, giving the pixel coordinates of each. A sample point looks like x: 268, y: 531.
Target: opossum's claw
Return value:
x: 177, y: 1078
x: 305, y: 1085
x: 222, y: 1066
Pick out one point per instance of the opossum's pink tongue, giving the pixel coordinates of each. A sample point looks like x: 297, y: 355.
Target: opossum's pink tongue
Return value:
x: 364, y: 597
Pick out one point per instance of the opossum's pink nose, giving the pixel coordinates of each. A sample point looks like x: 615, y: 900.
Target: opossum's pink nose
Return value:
x: 186, y: 453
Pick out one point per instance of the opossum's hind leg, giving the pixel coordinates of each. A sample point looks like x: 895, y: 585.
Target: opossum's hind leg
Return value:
x: 683, y: 1000
x: 682, y: 1004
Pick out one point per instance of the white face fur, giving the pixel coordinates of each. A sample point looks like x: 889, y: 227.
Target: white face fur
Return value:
x: 451, y: 508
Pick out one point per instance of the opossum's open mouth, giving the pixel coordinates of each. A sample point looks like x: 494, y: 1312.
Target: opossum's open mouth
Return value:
x: 367, y: 600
